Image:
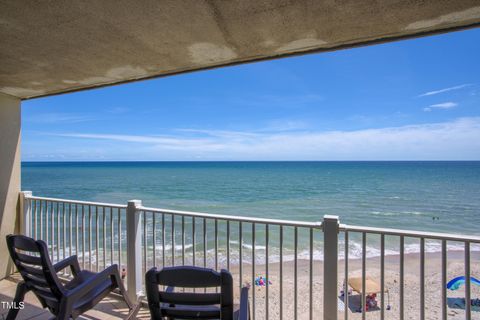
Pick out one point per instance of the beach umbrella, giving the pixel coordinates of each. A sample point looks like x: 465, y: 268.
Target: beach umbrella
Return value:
x: 371, y: 287
x: 455, y: 283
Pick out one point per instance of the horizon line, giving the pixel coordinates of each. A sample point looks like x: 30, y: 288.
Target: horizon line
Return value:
x: 199, y: 161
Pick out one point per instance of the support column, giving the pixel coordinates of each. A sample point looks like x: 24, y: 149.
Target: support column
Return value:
x: 330, y: 267
x: 9, y: 174
x: 134, y: 250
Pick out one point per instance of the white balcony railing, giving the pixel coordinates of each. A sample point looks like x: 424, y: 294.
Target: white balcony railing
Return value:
x: 137, y: 238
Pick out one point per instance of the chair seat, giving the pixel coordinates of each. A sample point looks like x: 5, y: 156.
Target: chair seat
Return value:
x: 81, y: 277
x: 90, y: 299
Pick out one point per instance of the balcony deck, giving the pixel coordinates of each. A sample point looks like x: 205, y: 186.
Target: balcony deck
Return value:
x: 110, y: 308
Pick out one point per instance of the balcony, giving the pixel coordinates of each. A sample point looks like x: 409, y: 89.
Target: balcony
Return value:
x: 303, y: 264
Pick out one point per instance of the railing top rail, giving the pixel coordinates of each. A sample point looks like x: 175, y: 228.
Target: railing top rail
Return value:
x: 87, y: 203
x: 303, y: 224
x: 411, y: 233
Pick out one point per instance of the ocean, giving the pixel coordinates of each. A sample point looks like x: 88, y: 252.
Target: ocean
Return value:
x: 430, y: 196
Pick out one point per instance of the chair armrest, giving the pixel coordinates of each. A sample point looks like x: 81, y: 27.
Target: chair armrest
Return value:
x: 108, y: 274
x: 71, y: 262
x: 244, y: 312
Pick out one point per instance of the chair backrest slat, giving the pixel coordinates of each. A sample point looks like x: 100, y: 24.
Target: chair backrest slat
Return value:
x: 34, y: 270
x: 189, y: 298
x: 36, y: 261
x: 173, y: 303
x: 38, y: 281
x: 191, y: 313
x: 33, y: 262
x: 189, y: 277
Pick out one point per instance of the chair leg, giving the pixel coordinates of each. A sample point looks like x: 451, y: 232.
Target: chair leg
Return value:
x: 123, y: 291
x: 64, y: 311
x: 19, y: 295
x: 133, y: 312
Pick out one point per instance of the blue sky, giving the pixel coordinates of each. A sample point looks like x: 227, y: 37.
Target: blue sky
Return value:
x: 409, y: 100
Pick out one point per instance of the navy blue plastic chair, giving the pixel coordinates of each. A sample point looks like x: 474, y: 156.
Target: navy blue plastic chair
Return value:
x: 177, y: 304
x: 64, y: 300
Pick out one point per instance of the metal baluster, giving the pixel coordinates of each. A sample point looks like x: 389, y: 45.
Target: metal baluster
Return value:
x: 58, y: 247
x: 111, y: 236
x: 47, y: 222
x: 281, y: 272
x: 240, y: 250
x: 267, y: 238
x: 468, y: 304
x: 205, y: 245
x: 163, y: 240
x: 70, y: 231
x: 119, y: 239
x: 173, y: 240
x: 183, y: 240
x: 216, y: 244
x: 444, y: 280
x: 193, y: 240
x: 76, y: 229
x: 154, y: 238
x: 295, y: 273
x: 41, y: 219
x: 52, y: 228
x: 402, y: 250
x: 83, y: 237
x: 253, y: 271
x: 64, y: 233
x: 145, y: 242
x: 104, y: 236
x: 58, y: 231
x: 382, y: 276
x: 34, y: 226
x: 90, y: 231
x: 228, y: 245
x: 311, y: 276
x: 422, y: 278
x: 97, y: 245
x: 345, y: 282
x: 364, y: 271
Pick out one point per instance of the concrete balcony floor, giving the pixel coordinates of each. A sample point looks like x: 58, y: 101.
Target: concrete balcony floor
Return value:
x: 109, y: 308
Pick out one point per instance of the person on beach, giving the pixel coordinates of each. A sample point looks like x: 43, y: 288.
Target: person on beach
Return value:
x: 124, y: 274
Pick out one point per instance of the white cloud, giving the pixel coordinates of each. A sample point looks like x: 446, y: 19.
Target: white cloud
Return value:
x: 454, y: 140
x: 431, y: 93
x: 59, y: 117
x: 444, y: 105
x: 164, y: 141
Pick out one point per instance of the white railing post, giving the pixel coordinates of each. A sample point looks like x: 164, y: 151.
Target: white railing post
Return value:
x: 25, y: 213
x: 134, y: 250
x: 330, y: 266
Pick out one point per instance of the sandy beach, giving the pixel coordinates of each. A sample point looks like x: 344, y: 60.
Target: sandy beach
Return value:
x: 433, y: 287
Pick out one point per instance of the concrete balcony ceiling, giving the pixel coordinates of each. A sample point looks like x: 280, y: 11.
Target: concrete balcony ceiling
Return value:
x: 50, y: 47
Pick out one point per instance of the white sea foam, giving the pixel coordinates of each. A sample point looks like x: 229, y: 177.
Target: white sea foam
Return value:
x: 355, y: 252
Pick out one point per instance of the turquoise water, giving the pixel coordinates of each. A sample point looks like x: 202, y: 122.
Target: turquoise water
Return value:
x: 384, y: 194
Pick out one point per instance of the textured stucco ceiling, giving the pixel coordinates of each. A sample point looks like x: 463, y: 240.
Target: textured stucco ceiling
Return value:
x: 49, y: 47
